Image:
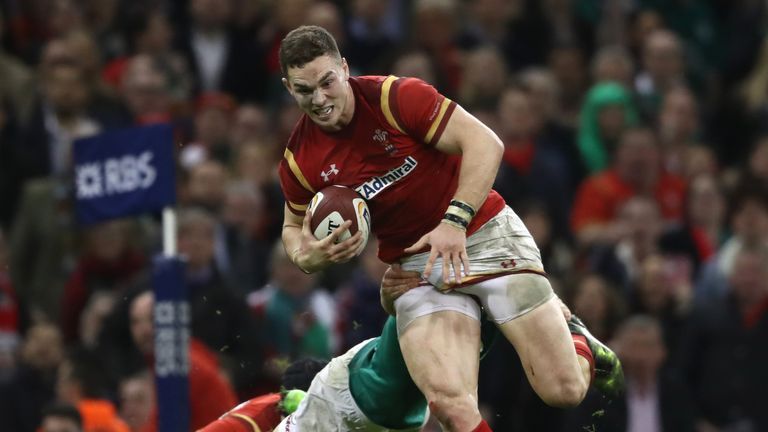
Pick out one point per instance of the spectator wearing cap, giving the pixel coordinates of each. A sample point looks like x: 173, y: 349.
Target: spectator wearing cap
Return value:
x: 607, y: 111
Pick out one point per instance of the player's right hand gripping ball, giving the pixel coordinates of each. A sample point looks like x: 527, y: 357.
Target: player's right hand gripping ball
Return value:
x: 332, y: 206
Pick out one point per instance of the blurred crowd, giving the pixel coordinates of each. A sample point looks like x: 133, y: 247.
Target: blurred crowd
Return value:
x: 636, y: 136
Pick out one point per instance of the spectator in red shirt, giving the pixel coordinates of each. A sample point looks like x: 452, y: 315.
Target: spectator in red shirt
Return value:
x: 210, y: 394
x: 636, y: 170
x: 108, y: 264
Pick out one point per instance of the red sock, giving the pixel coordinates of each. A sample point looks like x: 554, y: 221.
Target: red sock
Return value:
x: 482, y: 427
x: 582, y: 349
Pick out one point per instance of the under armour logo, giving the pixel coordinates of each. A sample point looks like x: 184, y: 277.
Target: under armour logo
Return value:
x: 327, y: 174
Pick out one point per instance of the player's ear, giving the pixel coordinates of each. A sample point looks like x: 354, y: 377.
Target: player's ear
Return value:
x: 287, y: 85
x: 345, y: 67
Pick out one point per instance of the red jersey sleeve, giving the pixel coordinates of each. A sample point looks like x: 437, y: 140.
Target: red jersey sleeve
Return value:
x: 417, y: 108
x: 258, y: 414
x: 298, y: 193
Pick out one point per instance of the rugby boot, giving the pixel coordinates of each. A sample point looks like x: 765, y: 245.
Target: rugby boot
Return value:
x: 609, y: 376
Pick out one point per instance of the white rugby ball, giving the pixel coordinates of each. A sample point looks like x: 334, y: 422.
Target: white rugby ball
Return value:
x: 332, y: 206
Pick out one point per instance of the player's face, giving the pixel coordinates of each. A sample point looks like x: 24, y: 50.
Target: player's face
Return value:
x: 321, y: 88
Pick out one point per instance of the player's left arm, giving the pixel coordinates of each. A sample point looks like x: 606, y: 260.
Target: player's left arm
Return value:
x: 481, y: 152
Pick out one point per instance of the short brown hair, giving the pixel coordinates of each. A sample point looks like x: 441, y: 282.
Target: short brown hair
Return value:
x: 304, y: 44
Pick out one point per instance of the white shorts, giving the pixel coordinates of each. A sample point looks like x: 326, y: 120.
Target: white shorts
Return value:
x: 504, y: 259
x: 329, y: 405
x: 501, y: 245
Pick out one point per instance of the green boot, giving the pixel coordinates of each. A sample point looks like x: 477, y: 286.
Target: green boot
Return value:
x: 609, y: 377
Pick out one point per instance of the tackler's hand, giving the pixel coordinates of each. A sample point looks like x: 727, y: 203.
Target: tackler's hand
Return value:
x: 314, y: 254
x: 448, y: 243
x: 395, y: 283
x: 564, y: 308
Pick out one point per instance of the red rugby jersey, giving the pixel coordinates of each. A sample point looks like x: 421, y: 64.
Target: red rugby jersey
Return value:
x: 256, y: 415
x: 387, y: 154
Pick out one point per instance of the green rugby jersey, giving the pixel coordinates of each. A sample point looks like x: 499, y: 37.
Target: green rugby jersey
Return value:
x: 381, y: 386
x: 380, y: 383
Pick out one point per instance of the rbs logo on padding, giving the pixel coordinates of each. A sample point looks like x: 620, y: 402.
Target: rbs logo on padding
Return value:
x: 126, y: 174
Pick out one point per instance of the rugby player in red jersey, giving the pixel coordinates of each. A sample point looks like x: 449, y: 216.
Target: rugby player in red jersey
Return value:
x: 426, y: 167
x: 366, y: 389
x: 264, y: 413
